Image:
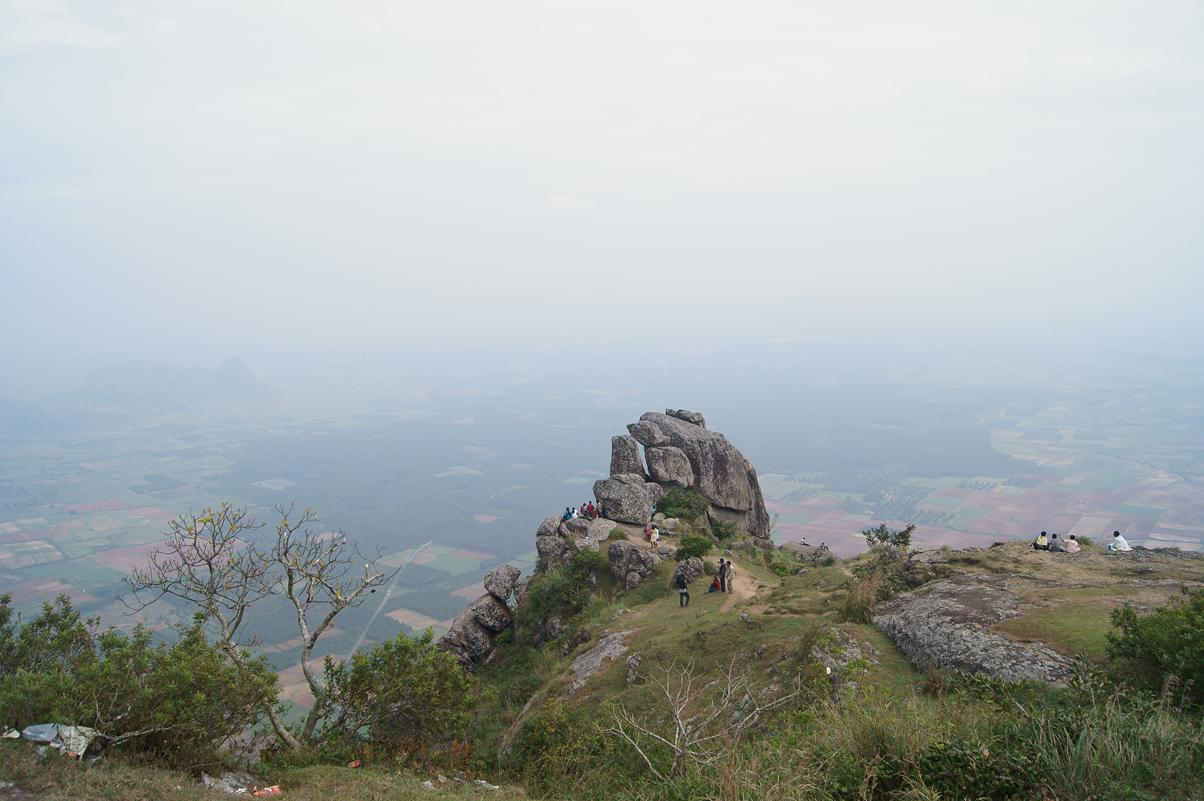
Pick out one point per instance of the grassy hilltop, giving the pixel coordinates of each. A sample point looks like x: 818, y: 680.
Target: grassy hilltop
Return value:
x: 784, y: 689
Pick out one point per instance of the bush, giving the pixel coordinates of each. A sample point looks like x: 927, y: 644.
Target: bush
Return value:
x: 1165, y: 646
x: 889, y: 537
x: 616, y: 534
x: 404, y: 694
x: 180, y: 702
x: 552, y: 592
x: 724, y: 532
x: 1085, y: 542
x: 686, y: 504
x: 693, y: 545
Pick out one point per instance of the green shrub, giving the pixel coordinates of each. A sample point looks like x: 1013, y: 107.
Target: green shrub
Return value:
x: 687, y: 504
x: 693, y: 545
x: 1085, y: 542
x: 587, y: 562
x: 182, y: 702
x: 724, y: 532
x: 616, y: 534
x: 552, y: 592
x: 1167, y: 645
x: 403, y: 694
x: 889, y: 537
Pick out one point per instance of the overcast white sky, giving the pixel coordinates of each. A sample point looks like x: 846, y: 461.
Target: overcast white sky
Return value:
x: 214, y: 176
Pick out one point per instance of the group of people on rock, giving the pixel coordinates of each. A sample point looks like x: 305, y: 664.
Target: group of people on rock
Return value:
x: 586, y: 510
x: 1051, y: 542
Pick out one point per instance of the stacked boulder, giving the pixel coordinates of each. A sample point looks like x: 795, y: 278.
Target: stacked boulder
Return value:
x: 680, y: 451
x: 472, y: 633
x: 557, y: 541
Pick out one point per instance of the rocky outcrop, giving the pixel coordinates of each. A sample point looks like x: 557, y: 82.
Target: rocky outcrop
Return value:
x: 500, y: 583
x: 669, y: 465
x: 550, y: 526
x: 627, y: 498
x: 586, y: 535
x: 691, y: 568
x: 625, y: 456
x: 630, y: 564
x: 471, y: 634
x: 553, y: 551
x: 693, y: 418
x: 946, y: 623
x: 681, y: 451
x: 590, y: 663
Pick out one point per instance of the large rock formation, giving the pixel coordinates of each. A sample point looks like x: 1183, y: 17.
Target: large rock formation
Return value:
x: 681, y: 451
x: 625, y: 456
x: 627, y: 497
x: 947, y: 624
x: 471, y: 634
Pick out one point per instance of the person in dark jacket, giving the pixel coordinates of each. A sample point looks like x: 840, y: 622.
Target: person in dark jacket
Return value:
x: 722, y: 576
x: 683, y: 590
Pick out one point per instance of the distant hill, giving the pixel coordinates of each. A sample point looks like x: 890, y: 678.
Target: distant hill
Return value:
x: 153, y: 387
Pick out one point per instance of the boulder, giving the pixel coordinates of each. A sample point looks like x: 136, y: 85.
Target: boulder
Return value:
x: 625, y: 456
x: 590, y: 663
x: 669, y: 465
x: 720, y: 472
x: 691, y: 568
x: 500, y: 582
x: 627, y: 498
x: 591, y: 535
x: 553, y: 551
x: 670, y: 524
x: 489, y: 613
x: 629, y: 563
x: 946, y: 623
x: 690, y: 417
x: 549, y: 526
x: 468, y: 640
x: 520, y: 590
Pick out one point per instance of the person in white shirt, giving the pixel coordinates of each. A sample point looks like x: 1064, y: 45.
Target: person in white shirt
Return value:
x: 1118, y: 543
x: 1072, y: 545
x: 655, y: 536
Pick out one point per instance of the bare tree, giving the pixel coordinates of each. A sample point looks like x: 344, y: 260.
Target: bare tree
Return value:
x: 697, y: 722
x: 208, y: 561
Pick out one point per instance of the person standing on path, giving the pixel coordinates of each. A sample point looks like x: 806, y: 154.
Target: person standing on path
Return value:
x: 731, y: 576
x: 722, y: 575
x: 683, y: 590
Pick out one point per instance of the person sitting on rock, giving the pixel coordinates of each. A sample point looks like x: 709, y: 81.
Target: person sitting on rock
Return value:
x: 589, y: 511
x: 683, y: 589
x: 1072, y: 545
x: 1056, y: 544
x: 1042, y: 542
x: 568, y: 514
x: 714, y: 586
x: 1119, y: 543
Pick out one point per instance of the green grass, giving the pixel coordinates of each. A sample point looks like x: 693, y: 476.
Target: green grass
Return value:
x: 115, y: 779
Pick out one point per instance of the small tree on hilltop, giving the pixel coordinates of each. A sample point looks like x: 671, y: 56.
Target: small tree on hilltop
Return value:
x: 206, y: 563
x: 881, y: 536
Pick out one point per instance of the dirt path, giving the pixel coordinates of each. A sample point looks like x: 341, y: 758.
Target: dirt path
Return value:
x: 744, y: 588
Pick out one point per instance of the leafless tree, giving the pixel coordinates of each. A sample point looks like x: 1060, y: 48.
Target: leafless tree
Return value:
x: 696, y: 721
x: 208, y: 561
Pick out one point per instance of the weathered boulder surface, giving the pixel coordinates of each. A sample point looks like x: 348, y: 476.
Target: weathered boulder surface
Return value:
x: 490, y: 613
x: 553, y: 551
x: 625, y: 456
x: 586, y: 535
x: 720, y: 472
x: 690, y: 417
x: 470, y: 637
x: 691, y: 568
x: 946, y: 624
x: 669, y: 465
x: 631, y: 564
x: 627, y: 497
x: 590, y: 663
x: 549, y: 527
x: 500, y: 583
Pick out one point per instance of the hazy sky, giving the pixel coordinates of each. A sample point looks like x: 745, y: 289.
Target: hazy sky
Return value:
x: 215, y: 176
